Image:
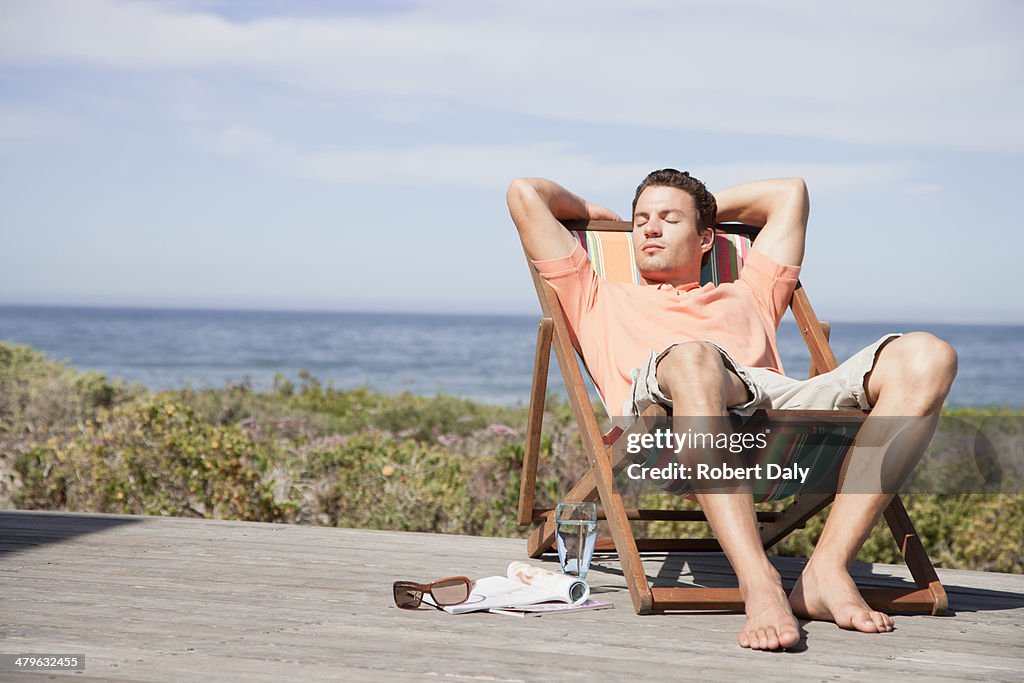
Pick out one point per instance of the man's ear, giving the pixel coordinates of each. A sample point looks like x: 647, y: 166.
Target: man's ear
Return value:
x: 707, y: 240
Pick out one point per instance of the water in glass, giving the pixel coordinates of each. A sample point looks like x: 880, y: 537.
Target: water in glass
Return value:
x: 575, y: 536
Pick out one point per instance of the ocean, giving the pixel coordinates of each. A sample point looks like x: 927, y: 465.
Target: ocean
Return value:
x: 484, y: 358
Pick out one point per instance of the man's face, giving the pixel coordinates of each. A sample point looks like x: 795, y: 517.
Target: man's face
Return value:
x: 665, y: 239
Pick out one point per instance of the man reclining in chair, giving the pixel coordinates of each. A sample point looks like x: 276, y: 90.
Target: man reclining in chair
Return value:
x: 706, y: 351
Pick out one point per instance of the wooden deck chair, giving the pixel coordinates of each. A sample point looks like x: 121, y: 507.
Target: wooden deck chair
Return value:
x: 610, y: 251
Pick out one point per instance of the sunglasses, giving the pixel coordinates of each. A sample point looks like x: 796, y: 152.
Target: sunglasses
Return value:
x: 446, y: 592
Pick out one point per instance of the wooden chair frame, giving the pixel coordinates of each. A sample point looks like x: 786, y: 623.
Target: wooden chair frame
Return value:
x: 597, y: 483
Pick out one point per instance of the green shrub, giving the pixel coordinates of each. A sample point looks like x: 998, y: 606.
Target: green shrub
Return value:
x: 150, y: 457
x: 40, y: 397
x: 38, y: 394
x: 421, y: 417
x: 376, y: 481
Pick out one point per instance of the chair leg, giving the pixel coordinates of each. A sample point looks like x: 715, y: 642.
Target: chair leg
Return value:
x: 915, y: 555
x: 538, y: 391
x: 625, y: 544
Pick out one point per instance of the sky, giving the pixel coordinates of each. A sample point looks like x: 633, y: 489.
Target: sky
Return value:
x: 354, y: 156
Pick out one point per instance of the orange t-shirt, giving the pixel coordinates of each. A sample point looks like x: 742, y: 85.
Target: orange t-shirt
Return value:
x: 619, y: 324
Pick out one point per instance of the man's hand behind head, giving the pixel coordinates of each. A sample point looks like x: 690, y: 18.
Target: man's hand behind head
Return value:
x: 600, y: 213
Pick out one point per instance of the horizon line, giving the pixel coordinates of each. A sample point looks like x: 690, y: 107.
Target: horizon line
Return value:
x: 216, y: 308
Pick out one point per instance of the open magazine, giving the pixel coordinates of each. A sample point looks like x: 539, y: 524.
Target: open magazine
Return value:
x: 522, y: 585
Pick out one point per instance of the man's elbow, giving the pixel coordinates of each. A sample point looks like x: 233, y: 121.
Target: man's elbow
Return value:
x: 520, y: 193
x: 797, y: 197
x: 516, y: 199
x: 518, y: 190
x: 796, y: 186
x: 515, y: 190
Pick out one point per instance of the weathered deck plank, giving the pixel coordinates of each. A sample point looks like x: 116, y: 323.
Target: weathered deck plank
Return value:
x: 174, y: 599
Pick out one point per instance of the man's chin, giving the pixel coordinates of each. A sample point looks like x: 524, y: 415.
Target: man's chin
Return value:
x: 651, y: 274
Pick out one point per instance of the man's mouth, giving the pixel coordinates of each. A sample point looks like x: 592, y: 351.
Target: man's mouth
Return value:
x: 651, y: 247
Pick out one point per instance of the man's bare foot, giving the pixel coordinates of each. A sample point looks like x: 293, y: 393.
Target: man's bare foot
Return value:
x: 770, y: 622
x: 831, y: 595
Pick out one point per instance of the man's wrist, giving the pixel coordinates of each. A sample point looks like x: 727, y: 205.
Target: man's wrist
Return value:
x: 570, y: 206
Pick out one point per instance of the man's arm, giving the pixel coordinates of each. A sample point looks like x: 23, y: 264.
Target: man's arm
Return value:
x: 537, y: 205
x: 781, y: 206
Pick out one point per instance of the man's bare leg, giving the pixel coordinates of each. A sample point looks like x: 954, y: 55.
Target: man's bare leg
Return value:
x: 695, y: 378
x: 911, y: 377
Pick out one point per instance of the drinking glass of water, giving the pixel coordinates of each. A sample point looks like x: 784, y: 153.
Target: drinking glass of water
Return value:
x: 575, y: 535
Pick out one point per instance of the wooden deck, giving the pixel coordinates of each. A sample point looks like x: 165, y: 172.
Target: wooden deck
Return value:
x: 164, y: 599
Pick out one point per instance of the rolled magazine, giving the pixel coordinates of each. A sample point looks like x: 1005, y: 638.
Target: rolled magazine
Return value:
x: 522, y: 585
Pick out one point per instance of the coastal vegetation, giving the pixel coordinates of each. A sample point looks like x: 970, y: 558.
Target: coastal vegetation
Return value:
x: 307, y: 453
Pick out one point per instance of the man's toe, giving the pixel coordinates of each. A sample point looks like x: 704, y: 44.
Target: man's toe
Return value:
x: 789, y: 637
x: 879, y: 619
x: 864, y: 622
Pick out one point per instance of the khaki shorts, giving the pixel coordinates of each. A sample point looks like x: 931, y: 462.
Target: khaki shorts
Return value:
x: 840, y: 388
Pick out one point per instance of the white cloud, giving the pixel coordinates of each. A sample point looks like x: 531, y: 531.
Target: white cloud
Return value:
x: 936, y: 73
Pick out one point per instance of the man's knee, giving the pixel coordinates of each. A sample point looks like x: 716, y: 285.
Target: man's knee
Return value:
x: 920, y: 361
x: 923, y: 356
x: 692, y: 359
x: 693, y: 368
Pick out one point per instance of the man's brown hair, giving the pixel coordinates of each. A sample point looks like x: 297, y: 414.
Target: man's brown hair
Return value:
x: 703, y: 200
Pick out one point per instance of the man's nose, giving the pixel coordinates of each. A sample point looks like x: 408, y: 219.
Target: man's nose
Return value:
x: 652, y: 228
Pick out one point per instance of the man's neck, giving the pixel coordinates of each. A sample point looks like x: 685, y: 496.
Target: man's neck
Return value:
x: 683, y: 282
